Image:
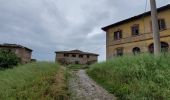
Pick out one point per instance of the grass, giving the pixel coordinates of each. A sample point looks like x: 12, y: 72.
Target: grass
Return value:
x: 35, y: 81
x: 141, y: 77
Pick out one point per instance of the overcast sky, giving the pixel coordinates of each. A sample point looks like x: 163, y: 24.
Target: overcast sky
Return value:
x: 47, y: 26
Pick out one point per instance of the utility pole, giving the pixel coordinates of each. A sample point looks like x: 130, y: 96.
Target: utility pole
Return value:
x: 155, y: 27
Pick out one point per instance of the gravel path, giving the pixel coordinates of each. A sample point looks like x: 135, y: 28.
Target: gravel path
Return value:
x: 83, y: 88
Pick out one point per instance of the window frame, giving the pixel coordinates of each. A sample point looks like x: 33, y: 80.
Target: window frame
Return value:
x: 117, y: 36
x: 132, y: 29
x: 136, y: 50
x: 81, y: 56
x: 66, y: 55
x: 74, y: 55
x: 160, y: 20
x: 120, y: 51
x: 160, y: 29
x: 88, y: 56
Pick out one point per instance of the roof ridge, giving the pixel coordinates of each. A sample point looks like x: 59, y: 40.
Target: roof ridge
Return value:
x: 14, y: 45
x: 72, y: 51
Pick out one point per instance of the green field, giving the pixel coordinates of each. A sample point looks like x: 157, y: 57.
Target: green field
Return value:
x: 35, y: 81
x: 141, y: 77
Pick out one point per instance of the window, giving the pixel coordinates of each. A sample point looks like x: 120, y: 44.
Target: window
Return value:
x: 161, y: 23
x: 66, y: 55
x: 81, y: 56
x: 88, y: 56
x: 136, y: 50
x: 73, y: 55
x: 164, y: 47
x: 117, y: 35
x: 119, y: 51
x: 135, y: 29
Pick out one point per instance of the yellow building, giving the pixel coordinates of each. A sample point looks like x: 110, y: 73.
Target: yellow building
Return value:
x: 134, y: 35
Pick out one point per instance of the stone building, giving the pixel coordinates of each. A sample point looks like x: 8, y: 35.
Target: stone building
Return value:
x: 76, y: 57
x: 22, y: 52
x: 134, y: 35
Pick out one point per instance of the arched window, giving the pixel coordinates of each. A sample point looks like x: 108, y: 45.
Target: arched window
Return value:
x: 136, y: 50
x: 164, y: 47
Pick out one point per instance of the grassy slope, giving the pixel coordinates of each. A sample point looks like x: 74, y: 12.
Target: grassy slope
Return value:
x: 142, y: 77
x: 36, y: 81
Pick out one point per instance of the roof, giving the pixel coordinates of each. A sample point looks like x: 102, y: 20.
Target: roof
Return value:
x: 136, y: 17
x: 14, y: 46
x: 77, y: 52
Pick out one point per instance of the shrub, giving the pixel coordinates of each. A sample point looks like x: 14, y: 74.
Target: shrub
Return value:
x: 8, y: 59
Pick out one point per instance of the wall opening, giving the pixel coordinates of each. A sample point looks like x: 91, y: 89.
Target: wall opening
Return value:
x: 164, y: 47
x: 136, y: 50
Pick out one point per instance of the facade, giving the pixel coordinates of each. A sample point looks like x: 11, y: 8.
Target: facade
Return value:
x: 22, y: 52
x: 134, y: 35
x: 76, y: 57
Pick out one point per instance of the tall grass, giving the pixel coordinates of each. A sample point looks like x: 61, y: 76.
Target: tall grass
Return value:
x: 36, y: 81
x: 141, y: 77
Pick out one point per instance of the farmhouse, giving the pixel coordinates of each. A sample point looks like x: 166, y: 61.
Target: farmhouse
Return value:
x: 134, y: 35
x: 76, y: 57
x: 22, y: 52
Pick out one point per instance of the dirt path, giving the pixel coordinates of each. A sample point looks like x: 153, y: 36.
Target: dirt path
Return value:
x: 83, y: 88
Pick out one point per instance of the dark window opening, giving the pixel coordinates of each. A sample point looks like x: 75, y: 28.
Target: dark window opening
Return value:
x: 135, y: 30
x: 161, y: 23
x: 66, y: 55
x: 88, y: 56
x: 119, y: 52
x: 117, y: 35
x: 164, y: 47
x: 136, y: 50
x: 81, y: 56
x: 73, y: 55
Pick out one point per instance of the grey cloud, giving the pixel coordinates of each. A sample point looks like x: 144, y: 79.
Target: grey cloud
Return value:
x: 49, y: 25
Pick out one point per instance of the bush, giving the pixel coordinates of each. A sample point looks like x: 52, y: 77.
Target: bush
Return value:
x: 8, y: 59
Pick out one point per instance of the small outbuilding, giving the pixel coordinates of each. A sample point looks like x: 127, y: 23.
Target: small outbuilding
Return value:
x: 22, y: 52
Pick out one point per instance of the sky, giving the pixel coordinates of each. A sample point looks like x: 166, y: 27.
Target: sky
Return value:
x: 46, y: 26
